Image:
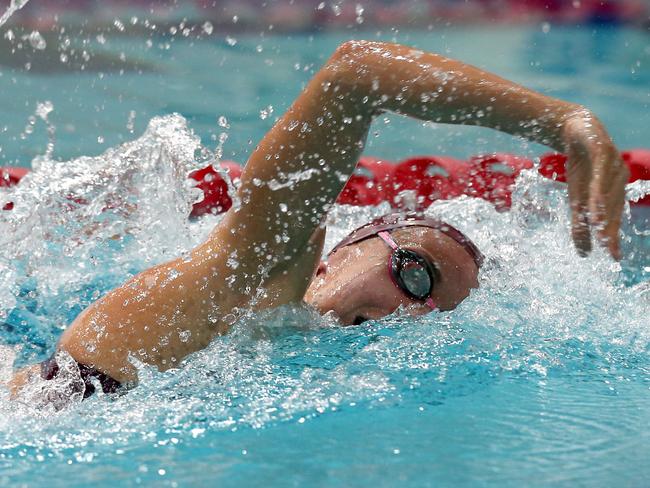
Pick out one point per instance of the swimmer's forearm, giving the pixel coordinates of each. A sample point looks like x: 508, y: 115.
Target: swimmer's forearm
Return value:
x: 431, y: 87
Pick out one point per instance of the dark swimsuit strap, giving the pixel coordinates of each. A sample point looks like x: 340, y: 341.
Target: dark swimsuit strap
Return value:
x: 50, y: 370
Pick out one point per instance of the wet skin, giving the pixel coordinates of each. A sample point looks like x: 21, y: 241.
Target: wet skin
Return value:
x: 356, y: 286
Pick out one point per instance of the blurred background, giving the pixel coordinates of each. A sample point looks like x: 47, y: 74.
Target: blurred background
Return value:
x: 85, y: 75
x: 317, y: 15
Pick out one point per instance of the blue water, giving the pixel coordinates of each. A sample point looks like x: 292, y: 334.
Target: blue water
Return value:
x: 541, y: 377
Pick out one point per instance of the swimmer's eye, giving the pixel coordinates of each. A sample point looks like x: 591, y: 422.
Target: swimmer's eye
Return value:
x: 359, y: 319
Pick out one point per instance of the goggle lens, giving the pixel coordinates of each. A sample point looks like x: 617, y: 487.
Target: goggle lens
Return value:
x: 412, y: 273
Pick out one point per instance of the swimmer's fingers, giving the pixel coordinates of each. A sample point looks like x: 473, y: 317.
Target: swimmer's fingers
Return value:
x: 607, y: 200
x: 596, y: 176
x: 578, y: 178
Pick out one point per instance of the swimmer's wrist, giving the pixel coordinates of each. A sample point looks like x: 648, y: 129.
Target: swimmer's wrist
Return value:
x: 568, y: 117
x: 582, y: 126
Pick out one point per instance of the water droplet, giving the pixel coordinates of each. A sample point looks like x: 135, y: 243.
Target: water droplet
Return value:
x: 208, y: 28
x: 43, y: 109
x: 130, y: 123
x: 36, y: 41
x: 266, y: 112
x: 358, y: 9
x: 232, y: 262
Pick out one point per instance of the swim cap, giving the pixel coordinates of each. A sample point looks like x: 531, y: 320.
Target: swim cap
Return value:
x: 399, y: 220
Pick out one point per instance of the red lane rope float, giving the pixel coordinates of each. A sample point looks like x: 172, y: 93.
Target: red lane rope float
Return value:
x: 370, y: 184
x: 420, y: 180
x: 492, y: 177
x: 428, y: 178
x: 216, y: 198
x: 11, y: 177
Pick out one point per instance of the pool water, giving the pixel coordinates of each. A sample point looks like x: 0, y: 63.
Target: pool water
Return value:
x: 541, y: 377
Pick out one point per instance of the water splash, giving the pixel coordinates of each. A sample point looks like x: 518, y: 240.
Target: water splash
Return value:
x: 74, y: 221
x: 557, y: 336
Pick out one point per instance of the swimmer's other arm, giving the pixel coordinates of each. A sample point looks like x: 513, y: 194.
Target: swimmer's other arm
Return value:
x: 264, y: 253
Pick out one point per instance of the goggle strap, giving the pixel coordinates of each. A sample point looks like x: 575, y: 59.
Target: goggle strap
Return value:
x: 386, y: 237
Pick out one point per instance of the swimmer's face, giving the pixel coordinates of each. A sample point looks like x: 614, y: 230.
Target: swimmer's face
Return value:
x: 355, y: 283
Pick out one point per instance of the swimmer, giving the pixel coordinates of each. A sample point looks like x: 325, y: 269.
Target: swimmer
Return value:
x: 267, y: 252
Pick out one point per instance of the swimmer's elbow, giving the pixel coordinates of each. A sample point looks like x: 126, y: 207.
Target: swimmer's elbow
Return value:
x: 351, y: 48
x: 351, y: 52
x: 347, y: 66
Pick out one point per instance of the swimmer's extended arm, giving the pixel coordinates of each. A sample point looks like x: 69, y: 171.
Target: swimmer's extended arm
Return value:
x: 303, y: 162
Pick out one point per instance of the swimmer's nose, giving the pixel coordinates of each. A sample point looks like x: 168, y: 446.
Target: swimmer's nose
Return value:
x: 322, y: 268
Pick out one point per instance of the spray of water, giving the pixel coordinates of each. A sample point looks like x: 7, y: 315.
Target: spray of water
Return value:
x: 81, y: 227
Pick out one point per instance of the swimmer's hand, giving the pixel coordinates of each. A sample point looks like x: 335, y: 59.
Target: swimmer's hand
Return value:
x: 596, y: 176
